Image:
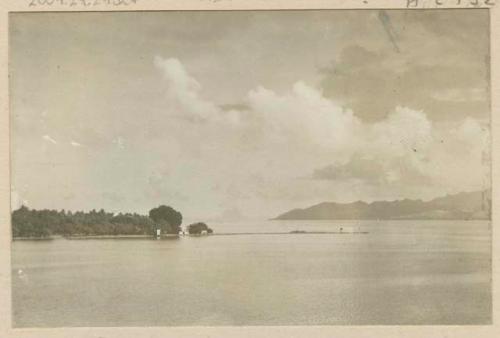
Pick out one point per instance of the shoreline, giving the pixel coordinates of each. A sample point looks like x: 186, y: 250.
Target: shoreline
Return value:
x: 83, y: 237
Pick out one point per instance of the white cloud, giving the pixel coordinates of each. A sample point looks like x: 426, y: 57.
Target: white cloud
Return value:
x: 284, y: 149
x: 49, y: 139
x: 305, y: 116
x: 264, y: 152
x: 183, y: 91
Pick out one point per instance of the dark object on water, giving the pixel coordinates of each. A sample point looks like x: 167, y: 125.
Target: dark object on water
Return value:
x: 199, y: 229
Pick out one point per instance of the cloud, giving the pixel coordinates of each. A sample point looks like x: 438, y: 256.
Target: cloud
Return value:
x: 249, y: 129
x: 407, y: 151
x: 304, y: 116
x: 183, y: 91
x: 425, y: 65
x: 234, y: 106
x: 49, y: 139
x: 75, y: 144
x: 356, y: 168
x: 302, y: 133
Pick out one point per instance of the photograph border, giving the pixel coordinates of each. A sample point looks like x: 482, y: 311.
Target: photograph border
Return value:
x: 6, y: 330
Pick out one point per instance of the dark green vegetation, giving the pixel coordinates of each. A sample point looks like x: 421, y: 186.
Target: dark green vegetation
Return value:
x: 167, y: 219
x: 44, y: 223
x: 198, y: 228
x: 462, y: 206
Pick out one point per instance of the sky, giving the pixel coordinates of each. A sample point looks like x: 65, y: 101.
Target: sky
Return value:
x: 247, y: 114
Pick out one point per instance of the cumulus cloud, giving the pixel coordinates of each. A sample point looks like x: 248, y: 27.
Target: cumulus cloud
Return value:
x: 258, y: 129
x: 273, y: 151
x: 183, y: 91
x: 304, y: 115
x: 408, y: 151
x: 301, y: 133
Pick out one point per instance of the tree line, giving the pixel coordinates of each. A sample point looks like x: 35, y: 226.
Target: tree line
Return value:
x: 44, y: 223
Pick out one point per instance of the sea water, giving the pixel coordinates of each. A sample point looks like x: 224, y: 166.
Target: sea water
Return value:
x: 400, y: 272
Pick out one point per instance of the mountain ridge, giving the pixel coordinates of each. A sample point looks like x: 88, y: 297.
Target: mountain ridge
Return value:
x: 461, y: 206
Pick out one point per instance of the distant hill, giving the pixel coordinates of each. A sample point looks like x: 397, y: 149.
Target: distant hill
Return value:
x: 461, y: 206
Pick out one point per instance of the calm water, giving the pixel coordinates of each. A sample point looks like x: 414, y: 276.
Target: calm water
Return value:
x: 402, y: 272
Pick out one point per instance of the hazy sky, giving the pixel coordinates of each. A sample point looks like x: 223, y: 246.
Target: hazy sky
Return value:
x: 222, y: 114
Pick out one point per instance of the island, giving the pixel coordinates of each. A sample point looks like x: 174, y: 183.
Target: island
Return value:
x: 45, y: 224
x: 462, y: 206
x: 199, y: 228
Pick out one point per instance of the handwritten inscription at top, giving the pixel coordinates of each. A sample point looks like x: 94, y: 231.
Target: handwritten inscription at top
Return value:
x: 82, y: 3
x: 409, y: 3
x: 451, y: 3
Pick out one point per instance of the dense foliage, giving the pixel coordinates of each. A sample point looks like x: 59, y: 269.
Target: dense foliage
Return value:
x: 167, y: 219
x: 197, y: 228
x: 43, y: 223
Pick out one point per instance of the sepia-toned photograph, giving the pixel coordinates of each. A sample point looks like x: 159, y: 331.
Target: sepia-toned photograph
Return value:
x: 250, y: 168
